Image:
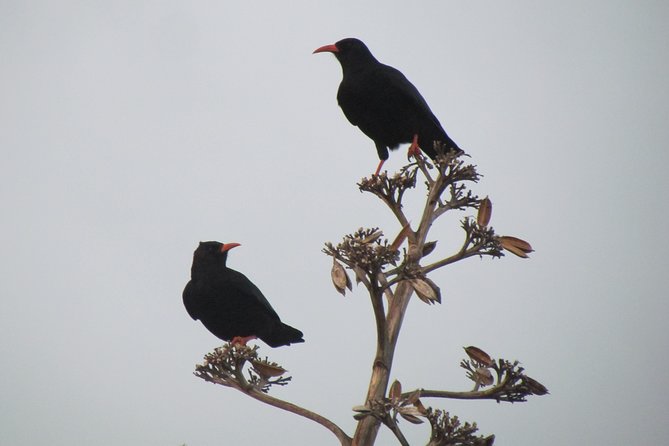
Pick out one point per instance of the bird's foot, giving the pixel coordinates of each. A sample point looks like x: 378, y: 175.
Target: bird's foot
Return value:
x: 242, y: 340
x: 414, y: 149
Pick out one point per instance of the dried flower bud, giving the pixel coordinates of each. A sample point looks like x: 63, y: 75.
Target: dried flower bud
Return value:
x: 267, y: 370
x: 340, y: 278
x: 372, y: 237
x: 485, y: 212
x: 478, y: 355
x: 515, y: 246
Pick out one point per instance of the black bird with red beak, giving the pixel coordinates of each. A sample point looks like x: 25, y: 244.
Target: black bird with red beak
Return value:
x: 230, y: 305
x: 384, y: 104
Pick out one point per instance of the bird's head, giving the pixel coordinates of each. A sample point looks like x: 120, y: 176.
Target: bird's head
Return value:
x: 211, y: 254
x: 349, y: 52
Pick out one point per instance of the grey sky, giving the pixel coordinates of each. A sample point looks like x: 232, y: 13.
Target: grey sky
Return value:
x: 131, y: 131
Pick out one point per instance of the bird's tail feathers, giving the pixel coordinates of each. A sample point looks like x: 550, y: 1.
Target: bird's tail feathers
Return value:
x: 284, y: 335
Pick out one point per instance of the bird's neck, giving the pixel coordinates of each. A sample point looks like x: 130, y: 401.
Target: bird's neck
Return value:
x: 357, y: 63
x: 208, y: 270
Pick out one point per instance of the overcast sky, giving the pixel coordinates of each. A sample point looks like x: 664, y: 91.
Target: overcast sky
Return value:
x: 132, y: 130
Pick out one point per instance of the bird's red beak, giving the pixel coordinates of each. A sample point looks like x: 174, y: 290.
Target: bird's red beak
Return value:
x: 326, y: 49
x: 228, y: 246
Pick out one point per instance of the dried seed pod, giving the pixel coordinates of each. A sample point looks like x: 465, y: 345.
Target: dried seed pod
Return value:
x: 435, y: 287
x: 428, y: 247
x: 488, y: 441
x: 535, y: 386
x: 362, y: 409
x: 420, y: 407
x: 411, y: 418
x: 413, y: 397
x: 410, y: 410
x: 426, y: 290
x: 410, y: 414
x: 395, y: 390
x: 340, y: 278
x: 359, y: 274
x: 515, y: 246
x: 478, y: 355
x: 483, y: 376
x: 267, y: 370
x: 485, y: 212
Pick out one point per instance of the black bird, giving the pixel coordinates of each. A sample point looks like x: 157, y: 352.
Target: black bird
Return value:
x: 383, y: 103
x: 229, y: 304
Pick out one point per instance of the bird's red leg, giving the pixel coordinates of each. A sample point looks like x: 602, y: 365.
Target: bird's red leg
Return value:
x: 414, y: 150
x: 242, y: 340
x: 378, y: 169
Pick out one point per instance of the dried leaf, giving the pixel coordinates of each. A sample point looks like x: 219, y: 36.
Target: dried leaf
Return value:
x: 267, y: 370
x: 428, y: 247
x: 478, y: 355
x: 535, y: 386
x: 483, y: 376
x: 362, y: 409
x: 485, y: 212
x: 426, y: 290
x: 515, y: 246
x: 411, y: 418
x: 395, y: 390
x: 403, y: 234
x: 360, y: 416
x: 340, y: 278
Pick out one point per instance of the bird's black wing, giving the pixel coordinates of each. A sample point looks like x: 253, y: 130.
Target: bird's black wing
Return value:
x: 191, y: 301
x: 380, y: 99
x: 401, y: 92
x: 232, y: 289
x: 238, y: 284
x: 351, y: 97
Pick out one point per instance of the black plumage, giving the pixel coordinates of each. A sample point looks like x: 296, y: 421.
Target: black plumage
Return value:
x: 382, y: 102
x: 229, y: 304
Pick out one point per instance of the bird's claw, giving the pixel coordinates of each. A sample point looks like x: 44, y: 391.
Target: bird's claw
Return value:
x: 242, y: 340
x: 414, y: 149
